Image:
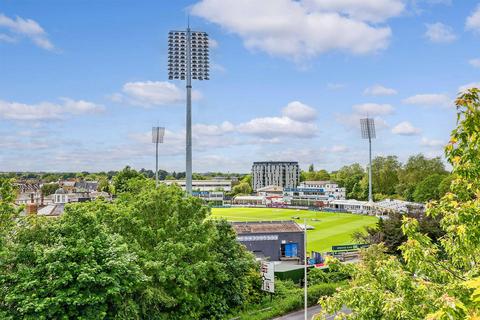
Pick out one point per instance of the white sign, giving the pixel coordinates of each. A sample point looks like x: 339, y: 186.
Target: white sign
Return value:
x: 267, y: 272
x: 258, y: 238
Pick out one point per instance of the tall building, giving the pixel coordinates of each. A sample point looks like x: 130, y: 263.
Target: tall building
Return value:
x: 275, y: 173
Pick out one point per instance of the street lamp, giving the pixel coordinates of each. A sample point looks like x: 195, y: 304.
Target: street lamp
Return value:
x: 368, y: 132
x: 187, y: 60
x: 157, y: 137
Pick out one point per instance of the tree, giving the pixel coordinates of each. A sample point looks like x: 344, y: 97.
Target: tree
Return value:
x: 242, y: 188
x: 350, y: 177
x: 7, y: 210
x: 385, y: 174
x: 104, y: 185
x: 388, y: 232
x: 71, y: 268
x: 120, y: 180
x: 417, y: 169
x: 49, y: 188
x: 195, y: 267
x: 433, y: 280
x: 428, y: 189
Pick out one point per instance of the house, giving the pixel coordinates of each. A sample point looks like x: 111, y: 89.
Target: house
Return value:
x: 273, y: 240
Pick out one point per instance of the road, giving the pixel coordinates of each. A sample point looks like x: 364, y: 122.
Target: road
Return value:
x: 299, y: 315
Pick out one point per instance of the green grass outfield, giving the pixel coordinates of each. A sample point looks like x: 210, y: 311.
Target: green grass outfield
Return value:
x: 330, y: 229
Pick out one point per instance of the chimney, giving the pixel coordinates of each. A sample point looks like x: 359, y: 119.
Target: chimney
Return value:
x: 41, y: 199
x: 31, y: 198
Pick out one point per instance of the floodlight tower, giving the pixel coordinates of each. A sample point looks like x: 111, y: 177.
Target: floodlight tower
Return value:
x: 187, y: 60
x: 157, y: 137
x: 368, y: 132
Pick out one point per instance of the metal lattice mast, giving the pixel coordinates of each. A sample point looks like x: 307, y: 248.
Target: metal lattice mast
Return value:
x: 187, y: 60
x: 368, y: 132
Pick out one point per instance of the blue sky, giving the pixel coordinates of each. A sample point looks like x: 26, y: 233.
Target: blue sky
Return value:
x: 82, y: 82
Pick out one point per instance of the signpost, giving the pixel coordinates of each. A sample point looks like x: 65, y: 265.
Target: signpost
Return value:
x: 267, y: 272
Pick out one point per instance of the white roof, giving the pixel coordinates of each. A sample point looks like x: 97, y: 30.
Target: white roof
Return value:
x: 249, y: 198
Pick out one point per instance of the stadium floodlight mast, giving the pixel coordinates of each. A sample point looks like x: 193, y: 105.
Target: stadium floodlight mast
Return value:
x: 187, y: 60
x: 157, y: 137
x: 368, y: 132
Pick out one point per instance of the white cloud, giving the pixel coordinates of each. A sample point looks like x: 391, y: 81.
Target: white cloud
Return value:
x: 152, y: 93
x: 294, y: 29
x: 430, y: 99
x: 379, y: 90
x: 278, y: 126
x: 298, y: 111
x: 297, y: 121
x: 7, y: 38
x: 365, y: 10
x: 468, y: 86
x: 439, y: 33
x: 47, y: 110
x: 339, y: 148
x: 432, y: 143
x: 25, y: 28
x: 405, y: 128
x: 474, y: 62
x: 473, y: 21
x: 352, y: 121
x: 373, y: 109
x: 214, y: 130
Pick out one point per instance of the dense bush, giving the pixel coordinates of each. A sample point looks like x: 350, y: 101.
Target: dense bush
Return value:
x: 151, y: 254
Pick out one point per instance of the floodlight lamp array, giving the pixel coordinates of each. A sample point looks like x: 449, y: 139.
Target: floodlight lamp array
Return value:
x: 158, y: 134
x: 367, y: 126
x: 179, y: 52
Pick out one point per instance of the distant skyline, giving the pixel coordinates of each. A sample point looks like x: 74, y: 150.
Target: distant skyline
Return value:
x: 83, y: 82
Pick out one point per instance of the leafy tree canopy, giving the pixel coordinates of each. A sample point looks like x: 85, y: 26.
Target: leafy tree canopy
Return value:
x: 433, y: 280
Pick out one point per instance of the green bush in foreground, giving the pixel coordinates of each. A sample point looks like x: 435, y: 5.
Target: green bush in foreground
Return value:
x: 151, y: 254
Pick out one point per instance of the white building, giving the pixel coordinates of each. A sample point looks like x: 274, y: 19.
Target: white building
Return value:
x: 330, y: 188
x: 314, y: 193
x: 275, y: 173
x: 354, y: 206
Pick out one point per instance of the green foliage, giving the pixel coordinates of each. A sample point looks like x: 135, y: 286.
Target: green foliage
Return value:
x: 385, y: 174
x: 287, y: 298
x: 151, y: 254
x: 242, y: 188
x: 389, y: 231
x: 49, y: 188
x: 433, y: 280
x: 7, y: 210
x: 121, y: 179
x: 104, y: 185
x: 417, y: 169
x: 333, y: 274
x: 195, y: 267
x: 350, y: 177
x: 70, y: 268
x: 428, y: 189
x: 320, y: 175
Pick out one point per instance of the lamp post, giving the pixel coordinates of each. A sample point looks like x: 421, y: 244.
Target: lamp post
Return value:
x: 187, y: 60
x: 157, y: 137
x: 368, y: 132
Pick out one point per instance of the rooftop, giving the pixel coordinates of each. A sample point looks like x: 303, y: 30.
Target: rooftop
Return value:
x: 266, y: 227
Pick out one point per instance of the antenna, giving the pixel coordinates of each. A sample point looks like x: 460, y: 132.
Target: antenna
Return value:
x: 367, y: 126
